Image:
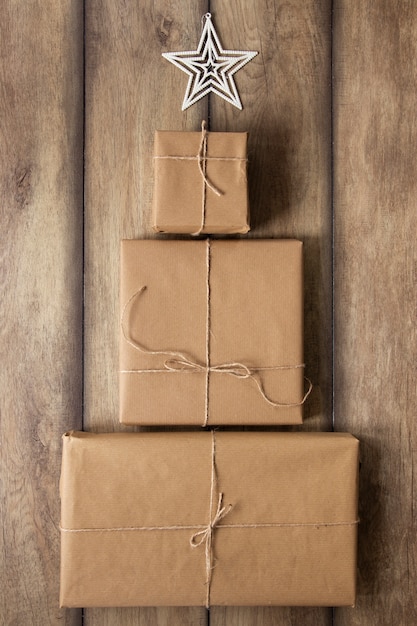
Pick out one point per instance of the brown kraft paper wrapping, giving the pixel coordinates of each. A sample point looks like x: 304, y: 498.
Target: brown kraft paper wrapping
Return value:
x: 139, y: 524
x: 235, y: 305
x: 200, y: 182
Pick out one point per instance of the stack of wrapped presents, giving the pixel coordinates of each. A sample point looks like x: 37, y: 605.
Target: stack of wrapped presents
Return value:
x: 211, y: 336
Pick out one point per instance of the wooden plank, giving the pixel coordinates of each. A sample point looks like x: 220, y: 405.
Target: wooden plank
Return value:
x: 130, y: 92
x: 41, y: 101
x: 375, y: 293
x: 286, y: 95
x: 269, y: 616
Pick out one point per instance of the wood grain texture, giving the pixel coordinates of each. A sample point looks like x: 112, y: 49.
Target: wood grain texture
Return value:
x: 41, y: 86
x: 148, y: 616
x: 286, y: 95
x: 130, y: 92
x: 269, y: 616
x: 375, y: 293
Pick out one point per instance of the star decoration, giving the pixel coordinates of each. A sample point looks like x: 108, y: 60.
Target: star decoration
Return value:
x: 210, y: 68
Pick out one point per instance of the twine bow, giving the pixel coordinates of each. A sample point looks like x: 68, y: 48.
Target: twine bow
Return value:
x: 239, y: 370
x: 206, y: 537
x: 234, y: 369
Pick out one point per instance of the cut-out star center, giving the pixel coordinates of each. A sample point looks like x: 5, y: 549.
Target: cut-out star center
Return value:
x: 210, y: 68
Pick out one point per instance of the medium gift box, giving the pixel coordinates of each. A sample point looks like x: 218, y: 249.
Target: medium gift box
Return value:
x: 211, y: 332
x: 200, y: 183
x: 208, y: 518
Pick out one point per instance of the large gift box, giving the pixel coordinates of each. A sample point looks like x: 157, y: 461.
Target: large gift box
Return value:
x: 208, y: 518
x: 200, y: 182
x: 211, y: 332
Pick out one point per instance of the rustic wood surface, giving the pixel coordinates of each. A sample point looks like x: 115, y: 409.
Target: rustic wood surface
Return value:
x: 375, y: 71
x: 360, y: 262
x: 41, y: 206
x: 286, y: 94
x: 130, y: 91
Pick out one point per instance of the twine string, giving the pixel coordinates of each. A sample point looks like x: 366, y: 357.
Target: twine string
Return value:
x: 202, y: 161
x: 171, y: 157
x: 202, y: 166
x: 120, y: 529
x: 177, y: 357
x: 208, y: 326
x: 239, y: 370
x: 205, y: 536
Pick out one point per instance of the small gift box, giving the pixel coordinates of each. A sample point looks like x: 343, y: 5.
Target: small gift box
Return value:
x: 208, y: 518
x: 211, y: 332
x: 200, y: 182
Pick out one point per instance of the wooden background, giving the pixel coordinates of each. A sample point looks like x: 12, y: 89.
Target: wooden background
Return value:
x: 330, y: 105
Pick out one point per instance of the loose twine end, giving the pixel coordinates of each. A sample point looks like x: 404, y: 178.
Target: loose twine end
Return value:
x: 202, y: 161
x: 202, y: 166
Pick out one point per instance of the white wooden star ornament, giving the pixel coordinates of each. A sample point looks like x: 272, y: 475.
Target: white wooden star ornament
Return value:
x: 210, y: 68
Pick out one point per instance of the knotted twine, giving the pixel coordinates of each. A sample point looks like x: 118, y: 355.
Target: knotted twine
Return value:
x: 202, y: 158
x: 181, y: 362
x: 204, y: 533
